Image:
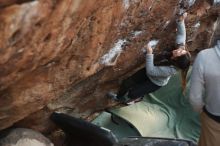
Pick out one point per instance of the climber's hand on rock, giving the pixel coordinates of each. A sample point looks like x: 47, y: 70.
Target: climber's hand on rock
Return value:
x: 149, y: 49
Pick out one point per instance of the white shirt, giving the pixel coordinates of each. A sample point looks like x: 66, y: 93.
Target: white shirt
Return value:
x: 159, y: 75
x: 205, y: 81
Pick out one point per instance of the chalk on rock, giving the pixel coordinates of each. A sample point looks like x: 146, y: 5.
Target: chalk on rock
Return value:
x: 153, y: 43
x: 113, y: 53
x: 186, y: 4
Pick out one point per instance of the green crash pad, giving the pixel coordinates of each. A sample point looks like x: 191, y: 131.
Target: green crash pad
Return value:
x: 117, y: 125
x: 164, y: 113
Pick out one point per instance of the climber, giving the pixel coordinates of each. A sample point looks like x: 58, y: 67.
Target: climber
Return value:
x: 153, y: 77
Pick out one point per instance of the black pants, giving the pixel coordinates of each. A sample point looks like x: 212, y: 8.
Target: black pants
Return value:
x: 137, y: 85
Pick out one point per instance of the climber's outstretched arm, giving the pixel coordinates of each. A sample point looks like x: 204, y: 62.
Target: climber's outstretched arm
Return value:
x: 181, y: 30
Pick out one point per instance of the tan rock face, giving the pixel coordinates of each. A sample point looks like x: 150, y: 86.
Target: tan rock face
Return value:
x: 55, y: 54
